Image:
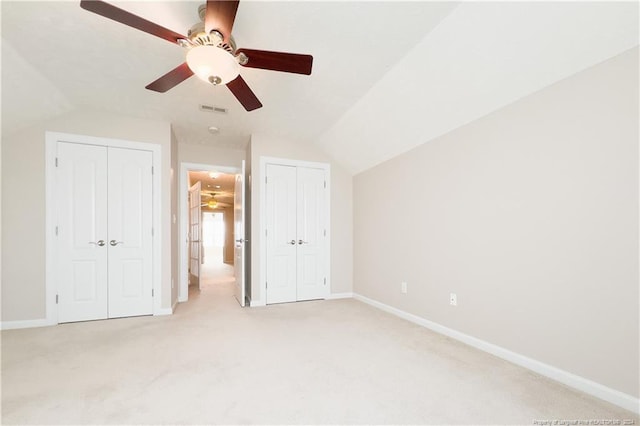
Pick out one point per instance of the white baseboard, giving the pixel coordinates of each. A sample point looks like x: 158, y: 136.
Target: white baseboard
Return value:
x: 12, y: 325
x: 590, y: 387
x: 333, y: 296
x: 254, y: 303
x: 167, y: 311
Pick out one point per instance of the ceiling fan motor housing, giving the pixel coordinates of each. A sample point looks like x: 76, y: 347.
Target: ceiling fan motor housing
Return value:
x: 199, y: 37
x: 206, y: 45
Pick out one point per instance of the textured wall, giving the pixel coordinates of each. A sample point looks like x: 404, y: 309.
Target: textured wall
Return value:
x: 530, y: 215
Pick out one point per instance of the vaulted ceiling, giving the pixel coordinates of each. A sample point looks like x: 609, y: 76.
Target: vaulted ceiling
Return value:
x: 386, y: 75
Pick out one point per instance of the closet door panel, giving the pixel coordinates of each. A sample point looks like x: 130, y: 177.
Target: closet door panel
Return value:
x: 281, y: 273
x: 130, y: 232
x: 311, y: 238
x: 81, y: 186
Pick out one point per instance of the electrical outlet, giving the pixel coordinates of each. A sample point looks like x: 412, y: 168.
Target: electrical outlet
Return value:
x: 453, y: 299
x: 403, y: 287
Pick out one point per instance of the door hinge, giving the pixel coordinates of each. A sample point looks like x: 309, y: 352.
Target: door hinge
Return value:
x: 151, y: 169
x: 56, y: 161
x: 266, y: 232
x: 56, y: 230
x: 152, y: 294
x: 325, y: 232
x: 56, y: 299
x: 266, y: 284
x: 325, y: 281
x: 325, y: 184
x: 265, y: 180
x: 152, y: 231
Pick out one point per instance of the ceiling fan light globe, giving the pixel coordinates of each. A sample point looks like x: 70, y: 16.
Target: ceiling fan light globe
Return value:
x: 212, y: 64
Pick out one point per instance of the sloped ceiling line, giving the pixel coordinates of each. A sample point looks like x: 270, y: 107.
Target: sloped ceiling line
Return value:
x: 482, y: 57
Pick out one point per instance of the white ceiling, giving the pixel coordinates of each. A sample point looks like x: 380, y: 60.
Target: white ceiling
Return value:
x: 99, y: 63
x: 387, y: 76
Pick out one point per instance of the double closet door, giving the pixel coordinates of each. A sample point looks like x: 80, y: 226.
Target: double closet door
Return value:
x: 296, y: 234
x: 104, y: 232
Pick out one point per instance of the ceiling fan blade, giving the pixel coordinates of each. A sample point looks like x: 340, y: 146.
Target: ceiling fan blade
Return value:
x: 171, y: 79
x: 124, y: 17
x: 278, y: 61
x: 220, y: 16
x: 243, y: 93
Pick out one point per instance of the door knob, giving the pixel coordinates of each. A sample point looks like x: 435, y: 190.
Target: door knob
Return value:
x: 240, y: 241
x: 292, y: 242
x: 99, y: 243
x: 302, y: 242
x: 115, y: 243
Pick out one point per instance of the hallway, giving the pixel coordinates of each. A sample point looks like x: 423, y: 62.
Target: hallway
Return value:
x: 216, y: 285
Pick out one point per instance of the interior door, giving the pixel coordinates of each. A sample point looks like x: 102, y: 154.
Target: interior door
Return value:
x: 280, y: 188
x: 239, y: 232
x: 82, y: 232
x: 195, y: 232
x: 130, y: 232
x: 311, y: 236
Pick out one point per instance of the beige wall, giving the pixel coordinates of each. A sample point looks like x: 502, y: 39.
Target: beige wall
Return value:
x: 203, y: 154
x: 341, y: 209
x: 530, y: 215
x: 23, y: 195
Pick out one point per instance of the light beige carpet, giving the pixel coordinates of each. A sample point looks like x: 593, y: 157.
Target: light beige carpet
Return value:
x: 339, y: 362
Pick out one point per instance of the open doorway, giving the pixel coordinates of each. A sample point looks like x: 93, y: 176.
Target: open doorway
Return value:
x: 208, y: 224
x: 216, y: 263
x: 213, y: 237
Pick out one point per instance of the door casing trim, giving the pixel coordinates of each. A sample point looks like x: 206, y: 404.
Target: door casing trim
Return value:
x: 262, y: 215
x: 183, y: 196
x: 51, y: 285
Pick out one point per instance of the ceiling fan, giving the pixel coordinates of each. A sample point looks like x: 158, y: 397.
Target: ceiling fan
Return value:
x: 211, y: 49
x: 212, y: 202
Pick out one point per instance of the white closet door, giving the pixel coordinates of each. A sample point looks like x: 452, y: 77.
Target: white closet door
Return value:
x: 82, y: 232
x: 281, y: 233
x: 130, y: 232
x: 311, y: 268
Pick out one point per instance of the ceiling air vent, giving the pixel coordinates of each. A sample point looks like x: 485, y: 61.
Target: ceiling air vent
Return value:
x: 211, y: 108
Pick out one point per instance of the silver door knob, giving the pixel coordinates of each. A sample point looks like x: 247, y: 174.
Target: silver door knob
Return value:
x: 240, y: 241
x: 292, y: 242
x: 115, y: 243
x: 302, y: 242
x: 99, y: 243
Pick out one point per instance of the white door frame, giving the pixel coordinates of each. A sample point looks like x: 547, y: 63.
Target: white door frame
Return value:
x: 262, y: 214
x: 239, y: 235
x: 51, y: 285
x: 183, y: 191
